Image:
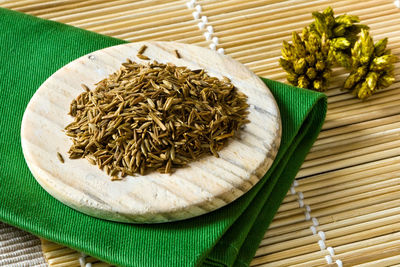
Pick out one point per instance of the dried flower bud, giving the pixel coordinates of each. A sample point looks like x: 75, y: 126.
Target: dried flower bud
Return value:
x: 339, y: 30
x: 303, y: 82
x: 382, y: 62
x: 300, y: 66
x: 342, y: 32
x: 386, y: 80
x: 318, y: 85
x: 311, y: 73
x: 340, y: 43
x: 341, y: 40
x: 298, y: 44
x: 342, y: 59
x: 320, y: 65
x: 372, y: 66
x: 347, y: 20
x: 380, y: 47
x: 307, y: 60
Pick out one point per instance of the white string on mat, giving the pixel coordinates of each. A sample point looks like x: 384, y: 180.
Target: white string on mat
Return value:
x: 82, y: 260
x: 203, y: 25
x: 315, y: 222
x: 329, y: 259
x: 397, y: 3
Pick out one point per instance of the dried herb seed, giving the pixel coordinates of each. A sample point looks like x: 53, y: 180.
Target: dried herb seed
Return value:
x: 154, y: 117
x: 60, y: 157
x: 177, y: 54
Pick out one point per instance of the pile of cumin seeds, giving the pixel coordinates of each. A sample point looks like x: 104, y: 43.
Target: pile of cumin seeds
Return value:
x: 154, y: 117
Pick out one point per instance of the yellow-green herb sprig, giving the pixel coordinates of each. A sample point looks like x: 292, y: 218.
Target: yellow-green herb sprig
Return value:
x: 342, y: 32
x: 307, y: 60
x: 372, y: 66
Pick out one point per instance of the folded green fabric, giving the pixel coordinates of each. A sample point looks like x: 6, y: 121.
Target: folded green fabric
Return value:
x: 32, y: 49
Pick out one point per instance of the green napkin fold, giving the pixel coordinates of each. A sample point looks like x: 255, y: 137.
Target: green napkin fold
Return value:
x: 31, y: 50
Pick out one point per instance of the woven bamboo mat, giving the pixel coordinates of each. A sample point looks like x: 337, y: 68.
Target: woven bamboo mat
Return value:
x: 344, y: 208
x: 19, y: 248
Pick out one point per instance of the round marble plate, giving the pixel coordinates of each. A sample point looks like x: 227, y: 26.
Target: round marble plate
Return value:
x: 201, y: 187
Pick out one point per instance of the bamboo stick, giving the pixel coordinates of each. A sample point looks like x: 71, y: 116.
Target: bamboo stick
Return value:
x: 285, y: 25
x: 70, y: 257
x: 356, y: 208
x: 67, y: 5
x: 289, y: 206
x: 188, y: 40
x: 41, y: 5
x: 317, y: 262
x: 353, y: 151
x: 332, y: 224
x: 228, y: 6
x: 16, y: 4
x: 306, y: 249
x: 358, y: 248
x: 70, y: 263
x: 181, y: 25
x: 270, y: 240
x: 372, y: 256
x: 148, y: 19
x: 309, y: 241
x: 382, y: 262
x: 335, y: 165
x: 361, y: 126
x: 352, y: 209
x: 253, y: 17
x: 383, y: 136
x: 347, y: 99
x: 299, y: 7
x: 289, y: 198
x: 368, y: 108
x: 350, y: 198
x: 345, y: 183
x: 330, y: 196
x: 377, y: 137
x: 286, y: 218
x: 276, y: 229
x: 59, y: 252
x: 360, y: 258
x: 262, y: 10
x: 366, y: 168
x: 383, y: 216
x: 365, y: 246
x: 353, y: 104
x: 100, y: 10
x: 322, y: 143
x: 355, y: 230
x: 354, y: 216
x: 310, y: 248
x: 175, y: 34
x: 48, y: 246
x: 243, y: 38
x: 265, y: 261
x: 129, y: 14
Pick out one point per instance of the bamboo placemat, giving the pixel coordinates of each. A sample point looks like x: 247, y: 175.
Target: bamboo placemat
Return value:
x: 344, y: 208
x: 19, y: 248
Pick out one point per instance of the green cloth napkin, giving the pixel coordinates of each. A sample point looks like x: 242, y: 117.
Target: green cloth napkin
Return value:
x: 31, y: 50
